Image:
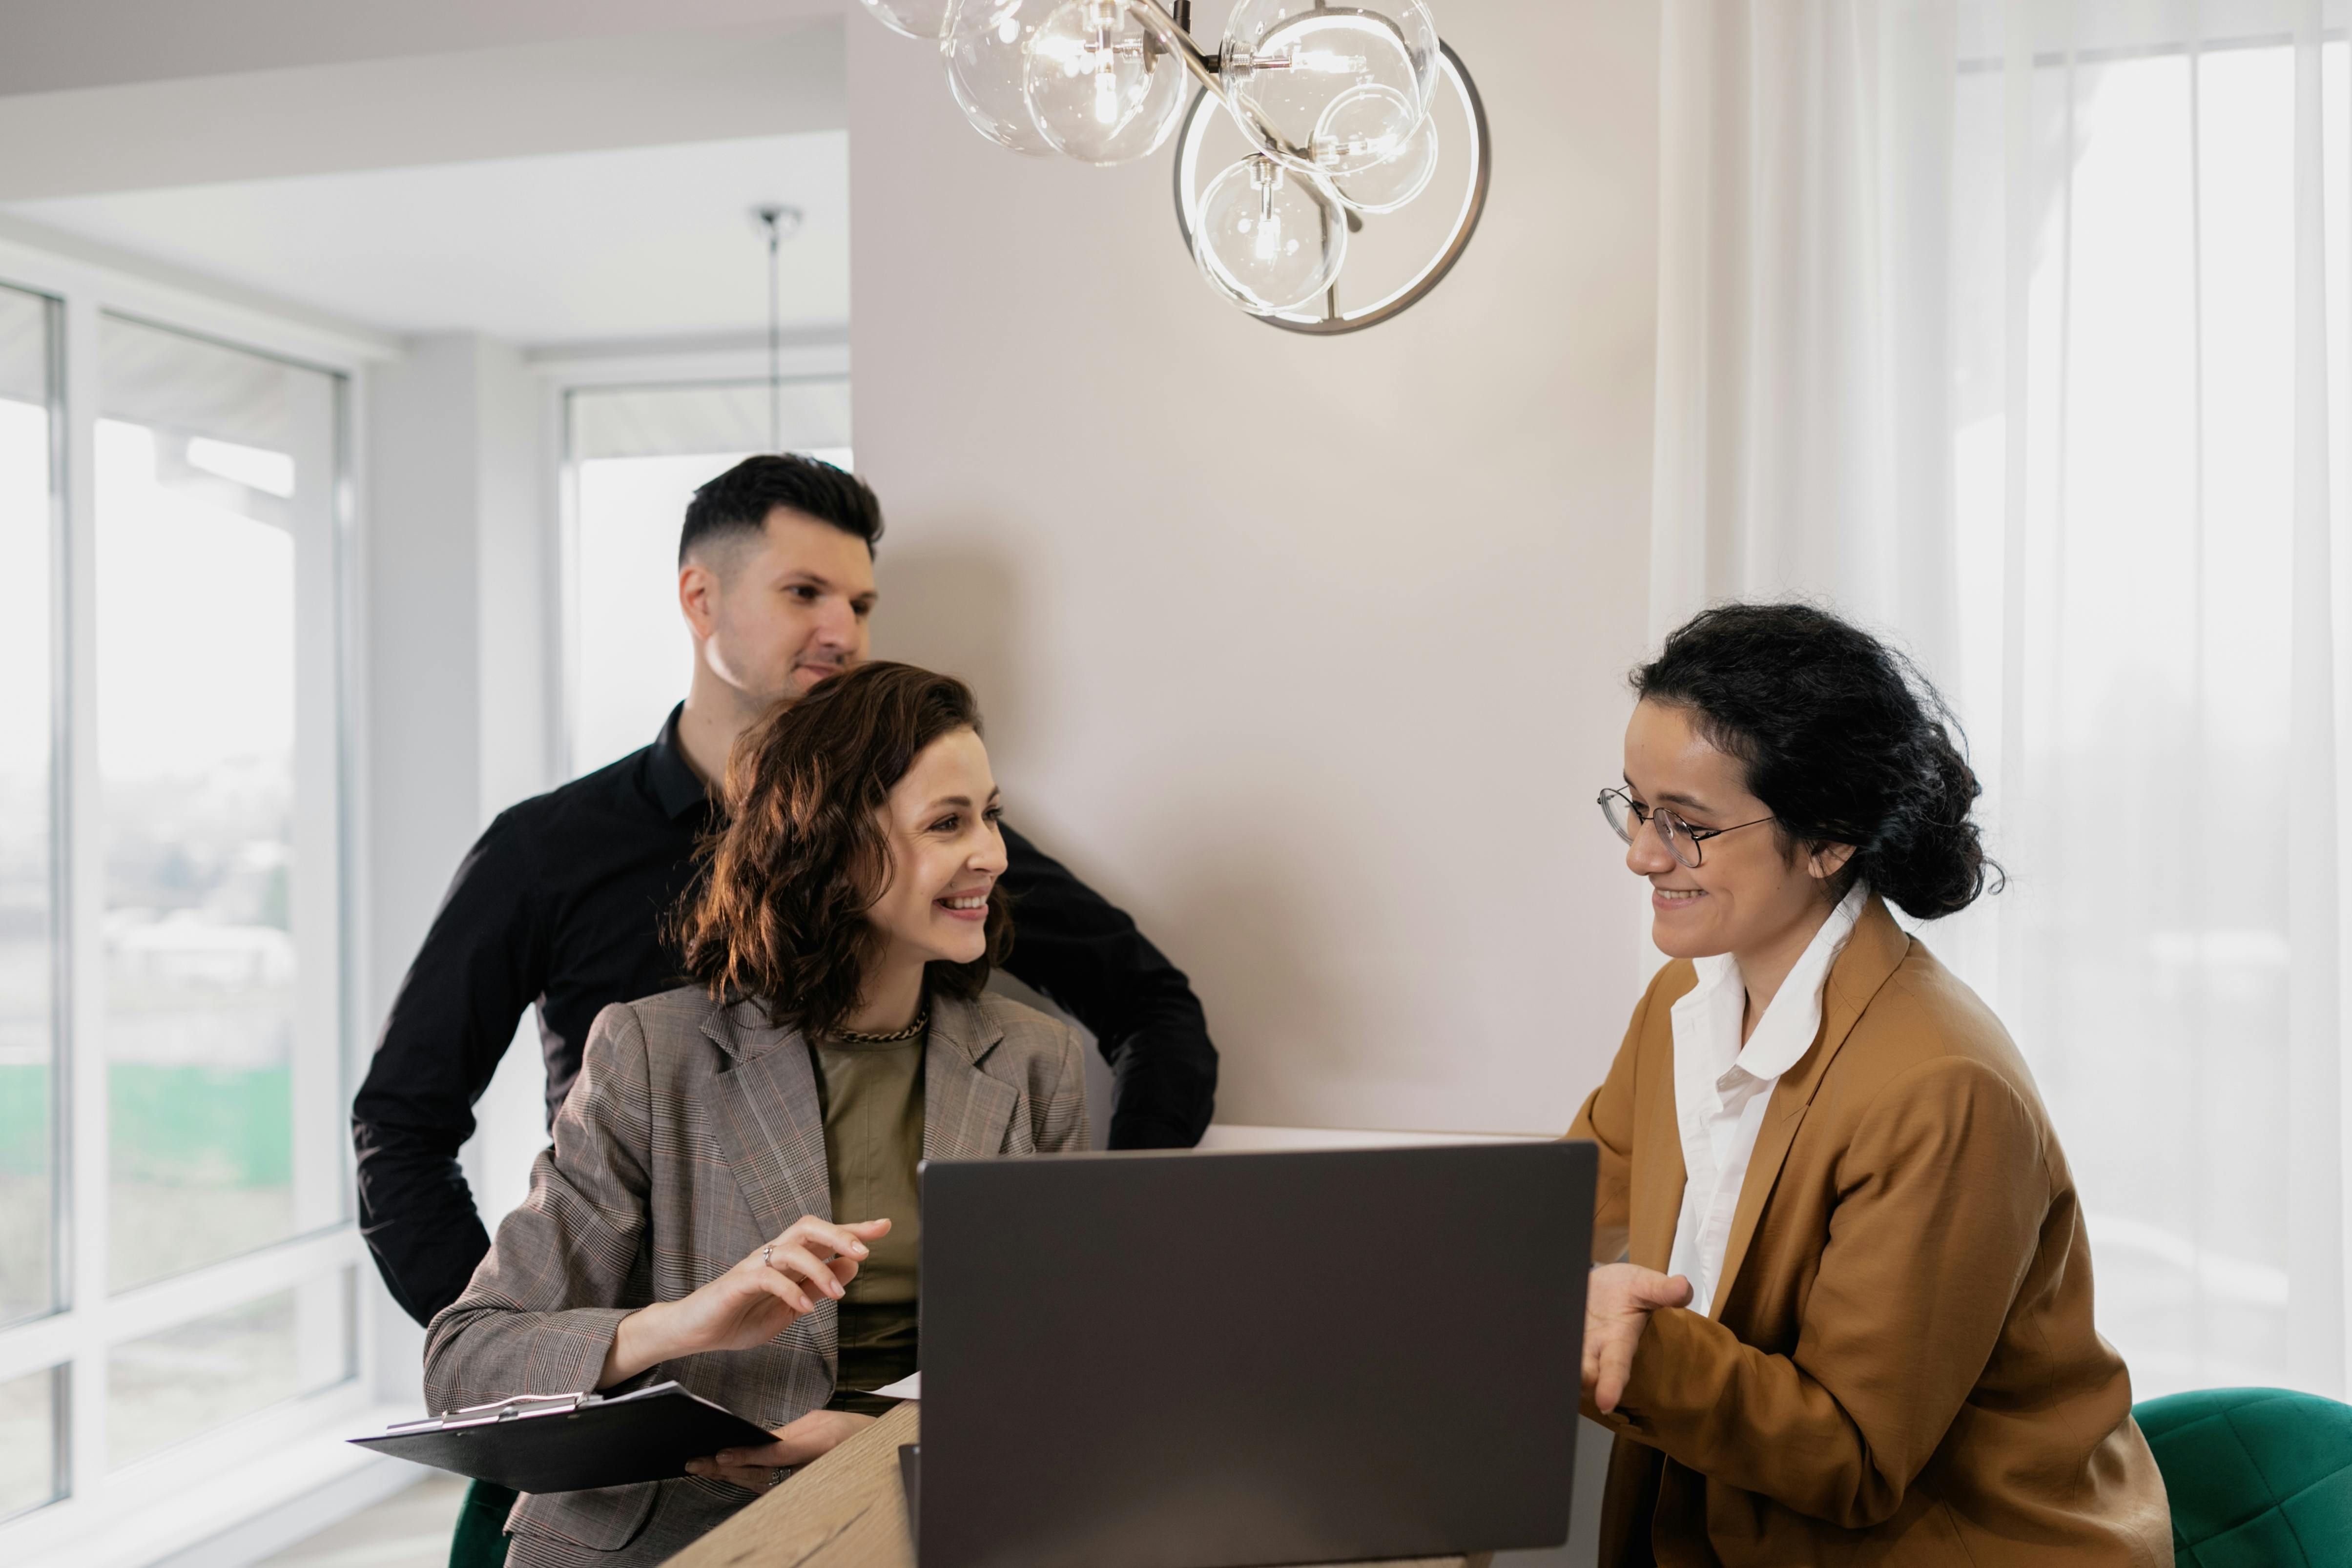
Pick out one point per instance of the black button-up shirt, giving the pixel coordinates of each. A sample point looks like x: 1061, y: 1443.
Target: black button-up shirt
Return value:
x: 560, y: 904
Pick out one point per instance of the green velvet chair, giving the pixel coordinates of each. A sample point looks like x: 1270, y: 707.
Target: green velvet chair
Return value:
x: 2258, y: 1477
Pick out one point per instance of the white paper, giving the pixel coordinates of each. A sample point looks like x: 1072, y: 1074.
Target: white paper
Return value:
x: 904, y: 1388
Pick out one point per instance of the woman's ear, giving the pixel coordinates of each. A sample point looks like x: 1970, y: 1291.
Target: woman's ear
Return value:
x: 1828, y: 859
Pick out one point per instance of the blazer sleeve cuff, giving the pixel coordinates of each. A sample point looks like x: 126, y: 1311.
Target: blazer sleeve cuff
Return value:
x: 571, y: 1359
x: 1679, y: 1371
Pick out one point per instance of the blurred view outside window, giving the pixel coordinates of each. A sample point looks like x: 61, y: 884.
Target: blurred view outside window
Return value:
x: 2125, y: 657
x: 202, y: 457
x: 636, y: 455
x: 30, y: 1473
x: 165, y: 1388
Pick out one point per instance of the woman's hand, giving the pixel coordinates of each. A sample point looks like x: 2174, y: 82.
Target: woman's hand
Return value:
x: 1618, y: 1300
x: 749, y: 1304
x: 797, y: 1443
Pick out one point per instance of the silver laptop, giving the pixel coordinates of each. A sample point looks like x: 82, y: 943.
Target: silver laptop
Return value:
x: 1212, y: 1360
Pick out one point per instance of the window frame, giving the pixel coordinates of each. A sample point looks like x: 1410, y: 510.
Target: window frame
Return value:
x: 815, y: 356
x: 104, y: 1511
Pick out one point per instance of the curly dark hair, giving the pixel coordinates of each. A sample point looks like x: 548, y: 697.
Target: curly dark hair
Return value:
x: 1844, y: 741
x: 739, y: 500
x: 779, y: 914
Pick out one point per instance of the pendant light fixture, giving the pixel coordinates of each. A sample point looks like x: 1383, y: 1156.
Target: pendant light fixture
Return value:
x: 777, y: 225
x: 1336, y: 105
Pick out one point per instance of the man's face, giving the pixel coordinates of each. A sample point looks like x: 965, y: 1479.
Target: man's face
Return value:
x: 774, y: 613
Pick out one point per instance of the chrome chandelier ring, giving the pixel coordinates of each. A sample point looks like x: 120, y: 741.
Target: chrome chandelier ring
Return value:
x: 1333, y: 318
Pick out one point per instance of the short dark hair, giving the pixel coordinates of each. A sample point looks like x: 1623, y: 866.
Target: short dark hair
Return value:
x: 779, y: 917
x: 739, y: 500
x: 1844, y: 741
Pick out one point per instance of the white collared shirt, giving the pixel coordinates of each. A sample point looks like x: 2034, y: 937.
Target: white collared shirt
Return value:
x: 1721, y: 1089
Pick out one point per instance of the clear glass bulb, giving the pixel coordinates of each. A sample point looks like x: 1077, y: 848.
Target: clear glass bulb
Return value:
x: 1269, y: 239
x: 984, y: 65
x: 1102, y: 85
x: 1287, y: 65
x: 930, y: 18
x: 1395, y: 180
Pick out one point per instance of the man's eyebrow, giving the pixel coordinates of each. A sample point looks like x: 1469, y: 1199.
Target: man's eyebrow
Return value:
x: 819, y: 580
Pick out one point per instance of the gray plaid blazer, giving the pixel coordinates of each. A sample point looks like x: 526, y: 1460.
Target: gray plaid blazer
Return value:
x: 691, y: 1138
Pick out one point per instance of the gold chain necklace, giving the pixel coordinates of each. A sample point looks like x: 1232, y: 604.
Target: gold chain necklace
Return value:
x: 855, y: 1037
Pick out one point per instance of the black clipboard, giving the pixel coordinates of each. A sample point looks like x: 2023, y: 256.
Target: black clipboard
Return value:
x: 572, y: 1442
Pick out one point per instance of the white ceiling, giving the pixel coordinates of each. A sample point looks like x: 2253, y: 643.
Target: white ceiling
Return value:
x: 645, y: 242
x: 573, y: 95
x: 93, y: 43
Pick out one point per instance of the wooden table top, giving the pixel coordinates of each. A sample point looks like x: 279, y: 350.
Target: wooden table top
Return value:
x: 848, y: 1510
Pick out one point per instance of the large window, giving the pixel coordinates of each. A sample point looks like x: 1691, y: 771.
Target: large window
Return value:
x: 178, y: 1261
x: 636, y: 455
x: 2140, y: 562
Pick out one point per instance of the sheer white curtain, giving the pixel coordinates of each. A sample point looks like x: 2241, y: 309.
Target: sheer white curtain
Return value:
x: 2018, y: 330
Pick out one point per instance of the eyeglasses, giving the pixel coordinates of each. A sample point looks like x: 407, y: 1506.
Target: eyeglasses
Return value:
x: 1626, y: 815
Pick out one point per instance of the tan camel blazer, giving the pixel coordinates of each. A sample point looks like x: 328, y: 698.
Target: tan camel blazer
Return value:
x: 692, y: 1135
x: 1901, y: 1365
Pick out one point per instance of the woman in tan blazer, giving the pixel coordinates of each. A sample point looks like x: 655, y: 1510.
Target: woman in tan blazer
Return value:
x: 692, y: 1219
x: 1842, y: 1306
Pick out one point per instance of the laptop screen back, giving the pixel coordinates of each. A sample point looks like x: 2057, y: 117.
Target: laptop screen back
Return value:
x: 1207, y: 1361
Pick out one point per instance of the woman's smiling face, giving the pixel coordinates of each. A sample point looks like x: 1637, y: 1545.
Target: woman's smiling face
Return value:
x: 946, y: 853
x: 1746, y: 889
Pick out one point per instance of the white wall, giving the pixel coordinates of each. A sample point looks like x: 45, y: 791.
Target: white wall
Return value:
x: 1308, y: 651
x: 460, y: 589
x: 421, y: 530
x: 459, y: 586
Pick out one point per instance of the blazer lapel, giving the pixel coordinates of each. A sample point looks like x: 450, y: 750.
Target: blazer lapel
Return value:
x: 1876, y: 949
x: 771, y: 1127
x: 966, y: 1113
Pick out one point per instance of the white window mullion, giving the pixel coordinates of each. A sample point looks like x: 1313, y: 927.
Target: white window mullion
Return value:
x: 321, y: 1103
x: 232, y: 1282
x: 44, y: 1342
x: 85, y: 890
x: 319, y: 1259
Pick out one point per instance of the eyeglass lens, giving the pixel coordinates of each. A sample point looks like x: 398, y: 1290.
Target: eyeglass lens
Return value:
x: 1672, y: 832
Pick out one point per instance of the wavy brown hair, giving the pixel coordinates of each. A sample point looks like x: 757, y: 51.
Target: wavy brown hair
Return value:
x: 779, y: 914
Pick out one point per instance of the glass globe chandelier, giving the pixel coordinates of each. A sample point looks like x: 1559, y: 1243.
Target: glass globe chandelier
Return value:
x: 1336, y: 103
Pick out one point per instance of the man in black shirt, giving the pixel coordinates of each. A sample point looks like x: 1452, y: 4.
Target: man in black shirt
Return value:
x: 562, y: 902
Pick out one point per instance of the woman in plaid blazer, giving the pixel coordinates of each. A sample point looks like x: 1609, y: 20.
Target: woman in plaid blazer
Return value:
x: 682, y: 1225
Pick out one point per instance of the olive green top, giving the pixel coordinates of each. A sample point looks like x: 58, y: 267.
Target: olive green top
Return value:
x: 873, y: 1100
